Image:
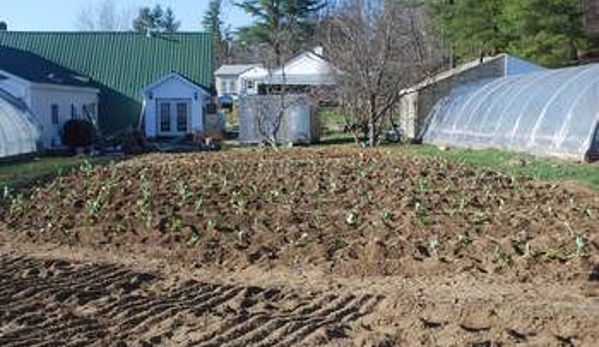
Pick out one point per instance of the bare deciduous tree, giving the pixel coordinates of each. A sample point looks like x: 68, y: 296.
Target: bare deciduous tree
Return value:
x: 381, y: 47
x: 105, y: 16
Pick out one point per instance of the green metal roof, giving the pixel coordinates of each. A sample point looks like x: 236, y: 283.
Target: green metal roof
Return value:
x: 120, y: 64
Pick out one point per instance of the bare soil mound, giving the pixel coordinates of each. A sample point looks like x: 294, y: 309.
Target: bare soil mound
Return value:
x: 343, y: 211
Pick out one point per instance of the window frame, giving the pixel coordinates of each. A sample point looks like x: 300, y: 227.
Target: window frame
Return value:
x: 55, y: 114
x: 165, y: 119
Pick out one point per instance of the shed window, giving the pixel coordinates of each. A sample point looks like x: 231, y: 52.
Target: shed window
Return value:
x: 165, y: 117
x: 54, y: 114
x: 250, y: 84
x: 73, y: 111
x: 232, y: 86
x: 182, y: 117
x: 223, y: 86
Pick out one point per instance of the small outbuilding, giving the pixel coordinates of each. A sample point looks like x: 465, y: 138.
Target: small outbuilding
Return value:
x: 174, y: 106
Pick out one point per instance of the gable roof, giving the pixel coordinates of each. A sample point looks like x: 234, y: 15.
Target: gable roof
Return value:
x: 179, y: 77
x: 33, y: 68
x: 234, y: 69
x: 121, y: 64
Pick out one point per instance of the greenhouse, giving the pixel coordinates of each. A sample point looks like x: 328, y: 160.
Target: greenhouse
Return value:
x: 19, y: 132
x: 551, y: 112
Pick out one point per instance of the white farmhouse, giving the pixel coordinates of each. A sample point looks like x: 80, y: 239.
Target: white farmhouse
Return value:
x: 228, y: 81
x: 52, y: 94
x: 307, y: 69
x: 174, y: 106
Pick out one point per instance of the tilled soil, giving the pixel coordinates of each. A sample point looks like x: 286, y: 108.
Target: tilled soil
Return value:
x: 79, y: 297
x: 344, y: 211
x: 307, y: 247
x: 62, y: 303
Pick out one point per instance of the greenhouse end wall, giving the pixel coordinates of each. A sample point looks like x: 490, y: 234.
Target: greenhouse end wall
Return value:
x: 19, y: 132
x: 552, y: 112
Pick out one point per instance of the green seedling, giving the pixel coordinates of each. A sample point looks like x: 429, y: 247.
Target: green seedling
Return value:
x: 581, y: 244
x: 17, y: 204
x: 303, y: 241
x: 555, y: 254
x: 351, y: 218
x: 502, y: 256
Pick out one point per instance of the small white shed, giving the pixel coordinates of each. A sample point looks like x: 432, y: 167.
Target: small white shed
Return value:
x: 174, y: 107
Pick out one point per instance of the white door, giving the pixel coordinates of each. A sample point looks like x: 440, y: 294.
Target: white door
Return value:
x: 174, y: 117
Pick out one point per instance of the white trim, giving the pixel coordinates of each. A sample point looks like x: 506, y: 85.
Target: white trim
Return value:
x: 64, y: 88
x: 177, y: 76
x: 18, y: 78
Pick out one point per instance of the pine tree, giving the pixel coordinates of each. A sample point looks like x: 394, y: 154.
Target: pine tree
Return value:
x: 169, y: 23
x: 279, y: 23
x: 156, y: 20
x: 548, y: 31
x: 472, y: 27
x: 213, y: 24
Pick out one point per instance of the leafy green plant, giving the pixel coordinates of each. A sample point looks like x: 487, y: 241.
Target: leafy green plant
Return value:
x: 351, y: 218
x: 503, y: 257
x: 17, y: 204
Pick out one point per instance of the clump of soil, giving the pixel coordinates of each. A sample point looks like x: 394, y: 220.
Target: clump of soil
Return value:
x: 343, y: 211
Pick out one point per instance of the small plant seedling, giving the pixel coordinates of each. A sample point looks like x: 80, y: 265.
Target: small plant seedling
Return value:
x: 242, y: 236
x: 555, y: 254
x: 193, y: 239
x: 504, y: 258
x: 351, y: 219
x: 175, y: 224
x: 433, y: 244
x: 17, y: 204
x: 303, y: 240
x: 581, y: 244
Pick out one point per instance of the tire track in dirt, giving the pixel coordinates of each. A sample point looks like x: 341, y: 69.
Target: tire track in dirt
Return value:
x: 58, y: 303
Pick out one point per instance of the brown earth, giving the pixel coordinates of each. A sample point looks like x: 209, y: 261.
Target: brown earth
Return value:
x: 362, y: 249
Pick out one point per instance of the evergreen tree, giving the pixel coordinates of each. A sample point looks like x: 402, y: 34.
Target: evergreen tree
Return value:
x: 169, y: 23
x: 3, y: 26
x: 155, y: 20
x: 473, y: 28
x: 548, y: 31
x: 279, y: 23
x: 213, y: 24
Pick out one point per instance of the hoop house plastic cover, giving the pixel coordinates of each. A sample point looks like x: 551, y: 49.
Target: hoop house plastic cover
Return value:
x: 19, y: 133
x: 553, y: 112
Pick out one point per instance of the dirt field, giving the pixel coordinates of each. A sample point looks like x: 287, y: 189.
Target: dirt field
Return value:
x: 331, y: 247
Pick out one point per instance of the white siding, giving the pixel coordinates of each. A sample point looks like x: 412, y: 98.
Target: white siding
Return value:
x: 227, y: 85
x: 42, y: 99
x: 176, y: 89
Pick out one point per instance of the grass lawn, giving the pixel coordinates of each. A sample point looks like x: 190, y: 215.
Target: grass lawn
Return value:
x: 25, y: 173
x: 517, y: 164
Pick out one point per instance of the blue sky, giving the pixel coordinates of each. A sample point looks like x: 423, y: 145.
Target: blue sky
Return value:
x: 63, y: 14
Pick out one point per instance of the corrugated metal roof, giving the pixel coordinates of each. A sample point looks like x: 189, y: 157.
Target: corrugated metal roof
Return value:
x: 121, y: 64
